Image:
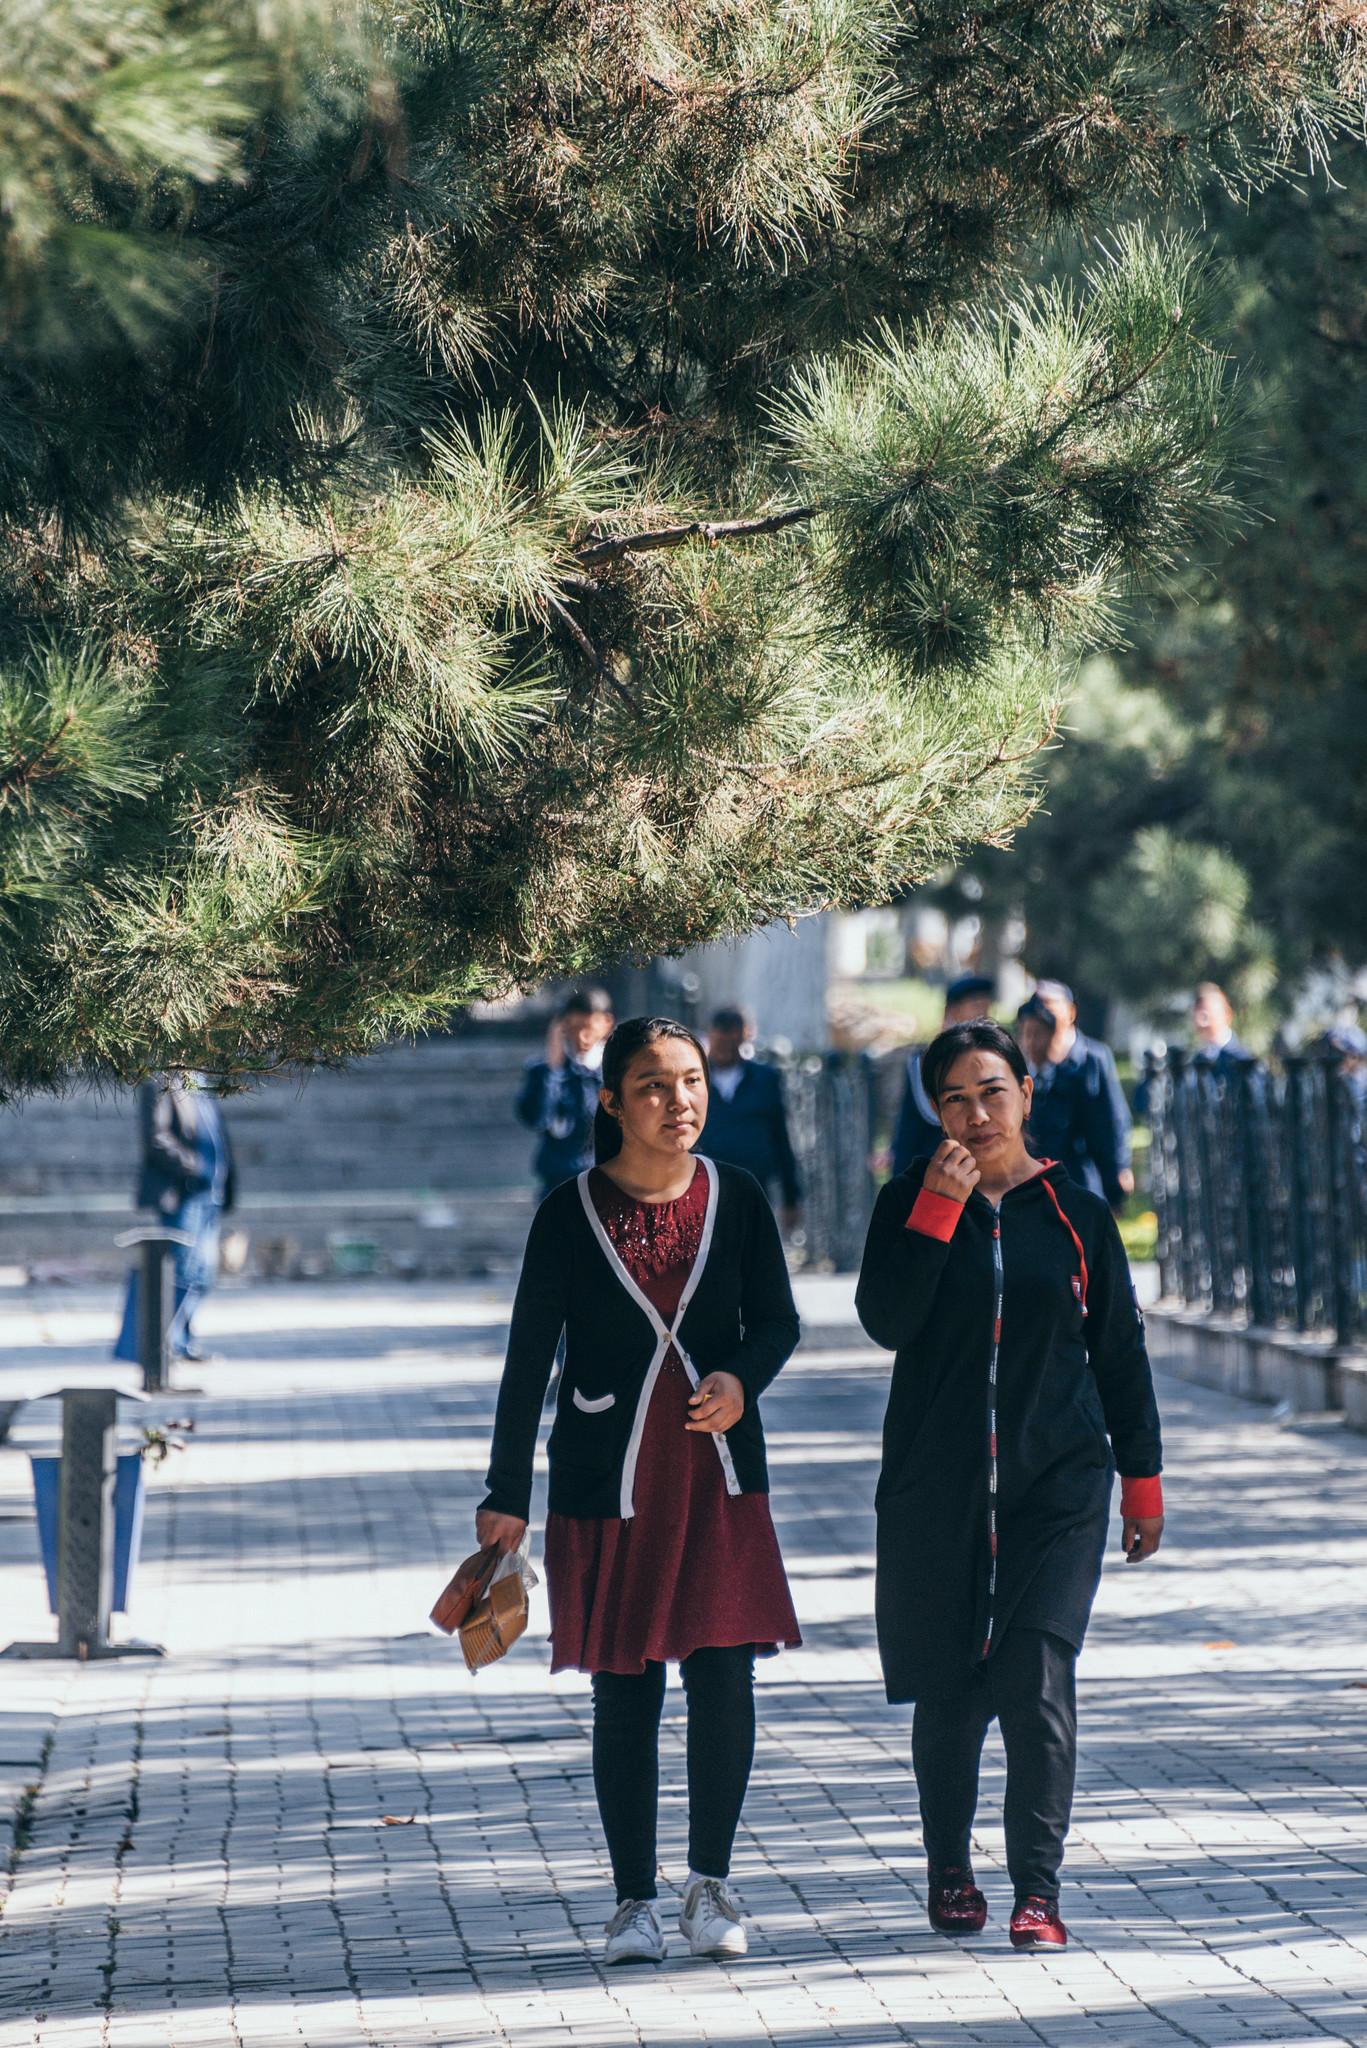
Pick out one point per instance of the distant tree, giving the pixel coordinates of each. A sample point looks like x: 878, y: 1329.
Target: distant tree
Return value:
x: 1274, y: 671
x: 1123, y: 878
x: 1208, y: 812
x: 494, y: 487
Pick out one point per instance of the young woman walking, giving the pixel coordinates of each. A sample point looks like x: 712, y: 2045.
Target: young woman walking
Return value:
x: 1004, y: 1290
x: 666, y: 1274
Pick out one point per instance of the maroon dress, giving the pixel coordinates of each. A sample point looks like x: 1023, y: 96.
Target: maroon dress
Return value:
x: 695, y: 1567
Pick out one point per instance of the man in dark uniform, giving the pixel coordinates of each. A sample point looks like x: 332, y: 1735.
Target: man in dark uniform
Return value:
x: 1212, y: 1019
x: 559, y: 1092
x: 747, y: 1119
x: 918, y: 1133
x: 1079, y: 1114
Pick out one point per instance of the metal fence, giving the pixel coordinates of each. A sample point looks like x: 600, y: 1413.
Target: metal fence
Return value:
x: 1259, y: 1179
x: 834, y: 1103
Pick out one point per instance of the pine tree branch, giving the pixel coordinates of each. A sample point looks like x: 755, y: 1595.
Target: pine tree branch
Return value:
x: 728, y: 95
x: 777, y: 781
x: 711, y: 530
x: 1001, y: 759
x: 629, y: 404
x: 1114, y: 395
x: 611, y: 546
x: 46, y: 759
x: 592, y: 655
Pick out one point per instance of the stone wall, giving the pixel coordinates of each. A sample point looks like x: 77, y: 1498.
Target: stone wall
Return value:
x: 1305, y: 1375
x: 415, y: 1151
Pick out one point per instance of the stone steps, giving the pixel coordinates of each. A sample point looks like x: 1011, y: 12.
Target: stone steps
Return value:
x: 415, y: 1151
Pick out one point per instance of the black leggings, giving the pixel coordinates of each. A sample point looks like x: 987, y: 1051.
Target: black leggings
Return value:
x: 1028, y: 1686
x: 720, y: 1688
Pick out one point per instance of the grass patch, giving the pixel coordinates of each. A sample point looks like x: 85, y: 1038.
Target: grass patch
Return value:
x: 1139, y: 1230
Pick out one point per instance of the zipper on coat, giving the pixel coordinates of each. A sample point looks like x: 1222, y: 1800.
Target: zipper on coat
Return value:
x: 993, y: 1356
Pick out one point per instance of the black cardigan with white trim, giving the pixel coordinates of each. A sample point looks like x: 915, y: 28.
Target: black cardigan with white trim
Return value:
x: 740, y: 1318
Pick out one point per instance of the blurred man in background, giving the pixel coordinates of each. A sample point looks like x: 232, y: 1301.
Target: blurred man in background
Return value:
x: 1079, y: 1115
x: 559, y: 1092
x: 918, y: 1130
x: 186, y: 1176
x: 1212, y: 1019
x: 1346, y: 1046
x: 1217, y: 1051
x: 747, y: 1119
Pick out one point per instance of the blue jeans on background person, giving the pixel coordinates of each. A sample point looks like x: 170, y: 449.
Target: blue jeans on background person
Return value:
x: 199, y: 1217
x: 196, y: 1263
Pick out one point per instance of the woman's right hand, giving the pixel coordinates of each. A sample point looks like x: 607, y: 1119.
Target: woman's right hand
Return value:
x: 505, y: 1532
x: 953, y: 1171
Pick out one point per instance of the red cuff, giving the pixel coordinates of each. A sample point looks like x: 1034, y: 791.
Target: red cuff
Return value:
x: 1141, y: 1499
x: 935, y: 1215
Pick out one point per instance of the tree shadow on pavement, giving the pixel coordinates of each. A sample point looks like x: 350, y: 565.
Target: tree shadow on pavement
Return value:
x: 350, y: 1816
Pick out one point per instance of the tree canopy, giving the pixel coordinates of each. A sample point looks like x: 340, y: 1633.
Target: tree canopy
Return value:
x: 494, y: 488
x: 1208, y: 811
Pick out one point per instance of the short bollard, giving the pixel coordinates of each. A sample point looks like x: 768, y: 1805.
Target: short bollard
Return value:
x: 85, y: 1533
x: 156, y: 1301
x: 156, y: 1308
x: 85, y: 1525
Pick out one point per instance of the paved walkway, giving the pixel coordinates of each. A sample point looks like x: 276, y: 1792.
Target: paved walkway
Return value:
x: 306, y: 1825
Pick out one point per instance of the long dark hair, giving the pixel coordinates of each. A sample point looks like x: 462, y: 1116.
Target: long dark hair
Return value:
x: 982, y: 1035
x: 631, y: 1036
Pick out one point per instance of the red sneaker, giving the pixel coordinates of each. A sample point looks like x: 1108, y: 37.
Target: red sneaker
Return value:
x: 1035, y: 1924
x: 956, y: 1905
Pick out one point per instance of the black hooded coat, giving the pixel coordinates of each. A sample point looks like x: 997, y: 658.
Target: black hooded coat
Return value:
x: 1020, y: 1364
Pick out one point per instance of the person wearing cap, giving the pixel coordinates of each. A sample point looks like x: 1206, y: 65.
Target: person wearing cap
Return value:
x: 558, y: 1098
x: 917, y: 1131
x: 1080, y: 1116
x: 747, y: 1117
x: 1020, y: 1385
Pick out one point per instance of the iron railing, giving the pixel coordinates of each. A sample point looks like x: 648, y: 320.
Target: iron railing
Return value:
x: 834, y: 1117
x: 1259, y: 1181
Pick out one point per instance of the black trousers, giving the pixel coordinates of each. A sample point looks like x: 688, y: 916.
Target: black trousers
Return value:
x: 720, y: 1688
x: 1027, y: 1685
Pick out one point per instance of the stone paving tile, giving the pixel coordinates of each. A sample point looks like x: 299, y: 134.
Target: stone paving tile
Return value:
x: 207, y: 1859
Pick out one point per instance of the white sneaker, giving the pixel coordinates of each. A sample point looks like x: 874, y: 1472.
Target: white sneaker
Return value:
x: 634, y: 1933
x: 709, y: 1919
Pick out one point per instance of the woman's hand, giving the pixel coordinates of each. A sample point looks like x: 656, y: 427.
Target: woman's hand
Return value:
x: 1140, y: 1537
x: 953, y: 1171
x: 505, y: 1532
x: 717, y: 1405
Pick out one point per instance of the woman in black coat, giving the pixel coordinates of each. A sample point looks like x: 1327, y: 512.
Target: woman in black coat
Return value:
x: 1004, y: 1290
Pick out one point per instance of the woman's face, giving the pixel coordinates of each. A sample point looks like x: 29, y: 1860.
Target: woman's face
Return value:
x: 983, y: 1106
x: 663, y: 1100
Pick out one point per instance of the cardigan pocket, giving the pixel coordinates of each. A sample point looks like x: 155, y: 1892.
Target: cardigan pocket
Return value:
x: 595, y: 1407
